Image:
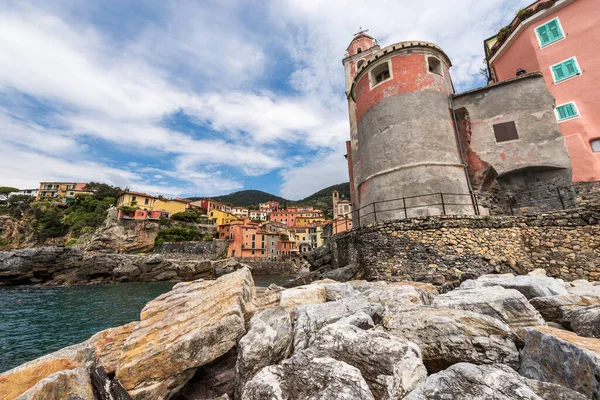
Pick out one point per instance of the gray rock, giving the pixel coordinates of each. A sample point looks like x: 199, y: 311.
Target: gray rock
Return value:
x: 398, y: 297
x: 554, y: 308
x: 563, y: 358
x: 475, y: 382
x: 66, y: 384
x: 343, y: 274
x: 336, y: 291
x: 529, y: 286
x: 447, y: 336
x: 391, y: 367
x: 584, y: 288
x: 552, y: 391
x: 584, y: 321
x: 360, y: 319
x: 302, y: 377
x: 508, y: 305
x: 309, y: 319
x: 268, y: 341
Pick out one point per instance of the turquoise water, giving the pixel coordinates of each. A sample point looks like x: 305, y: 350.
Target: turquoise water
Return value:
x: 35, y: 321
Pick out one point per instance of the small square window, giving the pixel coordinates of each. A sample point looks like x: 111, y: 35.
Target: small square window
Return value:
x: 380, y: 73
x: 566, y: 111
x: 505, y: 131
x: 549, y: 32
x: 595, y: 145
x: 565, y: 70
x: 435, y: 66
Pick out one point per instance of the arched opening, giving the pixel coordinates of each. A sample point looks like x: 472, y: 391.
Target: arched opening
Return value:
x: 435, y: 66
x: 360, y: 64
x: 359, y: 50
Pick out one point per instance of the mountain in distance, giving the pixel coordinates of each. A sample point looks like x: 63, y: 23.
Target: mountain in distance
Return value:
x: 251, y: 198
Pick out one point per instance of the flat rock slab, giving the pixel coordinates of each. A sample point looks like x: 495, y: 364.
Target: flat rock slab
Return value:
x: 529, y: 286
x: 182, y: 330
x: 562, y: 357
x: 18, y: 380
x: 109, y: 345
x: 475, y: 382
x: 447, y: 336
x: 302, y: 377
x: 584, y: 321
x: 67, y: 384
x: 309, y: 319
x: 303, y: 295
x: 554, y: 308
x: 391, y: 367
x: 507, y: 305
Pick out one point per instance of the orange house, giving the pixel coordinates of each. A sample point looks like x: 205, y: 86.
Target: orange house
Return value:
x: 246, y: 239
x: 560, y: 39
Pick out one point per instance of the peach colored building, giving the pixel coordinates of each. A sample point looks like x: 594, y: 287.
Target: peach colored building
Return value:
x: 246, y: 239
x: 561, y: 39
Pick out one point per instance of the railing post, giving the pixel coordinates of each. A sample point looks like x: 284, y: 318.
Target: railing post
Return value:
x: 475, y: 203
x: 404, y: 204
x: 358, y: 216
x: 443, y: 205
x: 375, y: 210
x: 562, y: 203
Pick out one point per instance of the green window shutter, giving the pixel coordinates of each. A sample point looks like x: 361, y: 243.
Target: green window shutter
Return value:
x: 566, y: 111
x: 554, y: 29
x: 543, y: 34
x: 571, y: 67
x: 557, y: 70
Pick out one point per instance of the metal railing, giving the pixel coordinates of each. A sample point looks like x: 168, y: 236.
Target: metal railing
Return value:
x: 512, y: 203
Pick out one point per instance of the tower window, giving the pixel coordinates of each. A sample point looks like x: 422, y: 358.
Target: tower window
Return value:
x: 380, y: 74
x: 505, y: 131
x: 434, y: 66
x: 360, y: 64
x: 359, y: 50
x: 595, y: 145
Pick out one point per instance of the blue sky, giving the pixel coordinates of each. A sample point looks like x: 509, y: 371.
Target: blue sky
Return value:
x: 202, y: 97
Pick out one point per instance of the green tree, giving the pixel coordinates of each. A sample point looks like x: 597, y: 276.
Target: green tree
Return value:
x: 102, y: 190
x: 177, y: 235
x: 48, y: 222
x: 6, y: 190
x: 86, y: 212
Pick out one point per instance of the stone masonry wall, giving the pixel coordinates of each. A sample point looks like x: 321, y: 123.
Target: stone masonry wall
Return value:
x: 445, y: 250
x: 211, y: 249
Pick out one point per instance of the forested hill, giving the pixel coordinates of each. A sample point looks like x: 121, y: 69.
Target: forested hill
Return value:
x: 251, y: 198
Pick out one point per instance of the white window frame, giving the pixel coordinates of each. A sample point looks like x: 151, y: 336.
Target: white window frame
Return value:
x: 551, y: 43
x: 568, y: 79
x: 568, y: 119
x: 372, y: 81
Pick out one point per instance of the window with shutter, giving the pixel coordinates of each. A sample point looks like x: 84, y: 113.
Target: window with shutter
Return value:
x: 566, y: 111
x: 565, y: 69
x: 549, y: 32
x: 505, y: 131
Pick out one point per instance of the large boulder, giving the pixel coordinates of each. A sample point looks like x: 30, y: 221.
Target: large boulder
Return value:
x: 475, y: 382
x: 561, y: 357
x: 554, y: 308
x: 343, y: 274
x: 66, y: 384
x: 182, y: 330
x: 336, y: 290
x: 18, y: 380
x: 302, y: 295
x: 447, y: 336
x: 508, y: 305
x: 552, y: 391
x: 391, y: 367
x: 108, y: 345
x: 530, y: 286
x: 398, y: 297
x: 268, y: 341
x: 309, y: 319
x: 303, y: 377
x: 584, y: 321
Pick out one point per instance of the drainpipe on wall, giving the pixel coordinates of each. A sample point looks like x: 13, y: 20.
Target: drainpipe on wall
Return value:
x: 462, y: 156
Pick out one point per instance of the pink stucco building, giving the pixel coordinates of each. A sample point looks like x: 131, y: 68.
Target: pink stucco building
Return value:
x: 560, y: 38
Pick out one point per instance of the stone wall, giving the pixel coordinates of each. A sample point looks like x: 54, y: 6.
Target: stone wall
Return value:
x: 447, y: 250
x: 211, y: 249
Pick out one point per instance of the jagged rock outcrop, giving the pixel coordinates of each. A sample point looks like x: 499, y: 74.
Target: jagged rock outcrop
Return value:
x: 303, y: 377
x: 182, y: 330
x: 475, y: 382
x: 268, y: 341
x: 447, y: 336
x: 554, y: 308
x: 529, y: 285
x: 71, y: 266
x: 391, y: 367
x: 562, y: 357
x: 507, y: 305
x: 108, y: 345
x: 53, y: 369
x: 584, y: 321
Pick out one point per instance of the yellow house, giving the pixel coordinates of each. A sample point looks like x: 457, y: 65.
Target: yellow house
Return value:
x: 151, y: 203
x: 303, y: 222
x: 60, y: 190
x: 222, y: 217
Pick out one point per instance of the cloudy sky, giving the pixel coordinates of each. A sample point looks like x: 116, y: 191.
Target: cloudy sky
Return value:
x: 200, y: 98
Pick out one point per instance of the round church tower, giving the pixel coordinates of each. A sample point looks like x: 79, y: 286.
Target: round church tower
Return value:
x: 406, y: 144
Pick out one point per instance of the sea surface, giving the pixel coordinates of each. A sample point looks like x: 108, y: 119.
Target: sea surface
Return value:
x: 35, y: 321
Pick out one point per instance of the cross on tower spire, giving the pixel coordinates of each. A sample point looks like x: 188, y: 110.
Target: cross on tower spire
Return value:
x: 361, y: 30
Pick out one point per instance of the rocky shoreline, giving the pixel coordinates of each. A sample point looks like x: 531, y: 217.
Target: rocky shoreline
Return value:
x: 497, y: 337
